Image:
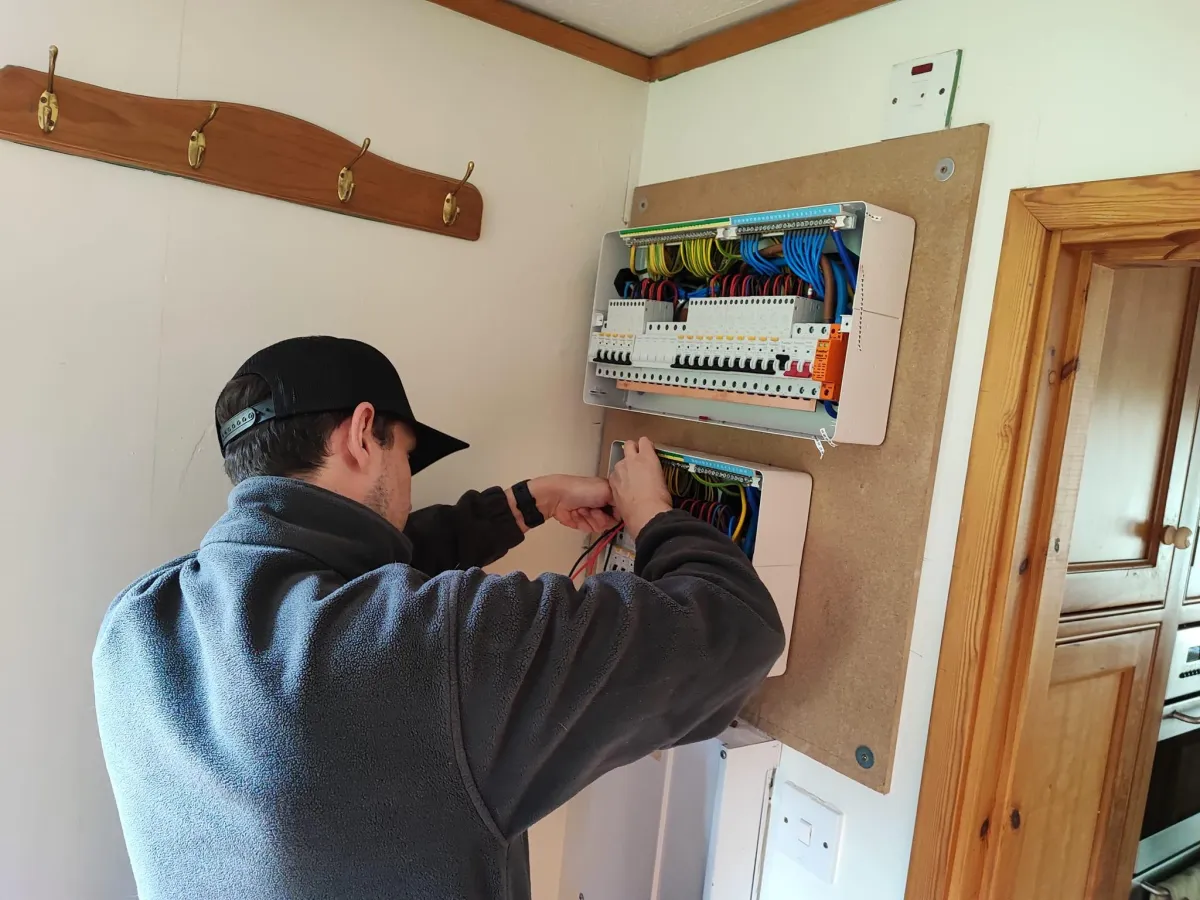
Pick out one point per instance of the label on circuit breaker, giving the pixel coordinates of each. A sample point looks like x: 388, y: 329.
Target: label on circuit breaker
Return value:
x: 630, y: 317
x: 746, y: 316
x: 726, y: 382
x: 619, y: 560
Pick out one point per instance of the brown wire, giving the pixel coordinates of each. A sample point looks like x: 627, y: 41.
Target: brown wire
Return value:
x: 830, y: 299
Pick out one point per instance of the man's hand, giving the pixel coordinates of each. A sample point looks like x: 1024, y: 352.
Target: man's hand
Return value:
x: 573, y: 500
x: 639, y: 491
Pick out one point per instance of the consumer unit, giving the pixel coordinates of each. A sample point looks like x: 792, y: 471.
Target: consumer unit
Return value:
x: 784, y: 321
x: 764, y: 511
x: 692, y: 821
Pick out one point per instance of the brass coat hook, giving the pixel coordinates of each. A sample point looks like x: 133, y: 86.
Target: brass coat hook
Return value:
x: 47, y: 113
x: 450, y: 208
x: 346, y: 176
x: 197, y: 143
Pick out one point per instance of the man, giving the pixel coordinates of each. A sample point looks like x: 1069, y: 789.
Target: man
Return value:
x: 330, y: 700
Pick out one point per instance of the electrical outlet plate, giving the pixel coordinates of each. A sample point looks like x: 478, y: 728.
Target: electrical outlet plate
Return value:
x: 807, y: 830
x: 921, y: 94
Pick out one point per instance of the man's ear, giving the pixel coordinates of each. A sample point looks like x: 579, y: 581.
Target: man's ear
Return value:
x: 360, y: 439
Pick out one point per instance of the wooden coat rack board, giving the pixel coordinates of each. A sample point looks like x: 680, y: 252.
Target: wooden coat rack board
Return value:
x: 839, y: 701
x: 234, y: 146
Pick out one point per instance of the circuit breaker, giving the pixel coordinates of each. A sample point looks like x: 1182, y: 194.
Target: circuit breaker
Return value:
x: 785, y: 321
x: 762, y: 509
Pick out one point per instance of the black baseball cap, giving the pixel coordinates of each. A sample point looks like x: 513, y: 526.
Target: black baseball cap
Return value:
x: 330, y: 374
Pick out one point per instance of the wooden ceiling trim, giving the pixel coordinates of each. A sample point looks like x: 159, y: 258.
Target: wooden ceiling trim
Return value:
x: 554, y: 34
x: 754, y: 33
x: 802, y: 16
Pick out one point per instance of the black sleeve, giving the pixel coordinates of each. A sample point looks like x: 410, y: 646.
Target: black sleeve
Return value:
x: 558, y: 685
x: 476, y: 531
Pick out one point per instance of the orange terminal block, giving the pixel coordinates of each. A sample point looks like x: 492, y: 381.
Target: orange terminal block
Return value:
x: 830, y: 363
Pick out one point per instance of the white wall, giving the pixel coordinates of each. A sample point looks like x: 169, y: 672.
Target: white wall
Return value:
x: 1075, y: 90
x: 127, y: 299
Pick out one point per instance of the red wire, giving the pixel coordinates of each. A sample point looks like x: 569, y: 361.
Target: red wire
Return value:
x: 593, y: 557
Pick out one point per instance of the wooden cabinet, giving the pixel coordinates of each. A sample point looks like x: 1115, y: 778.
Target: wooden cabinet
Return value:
x: 1072, y: 802
x: 1139, y: 439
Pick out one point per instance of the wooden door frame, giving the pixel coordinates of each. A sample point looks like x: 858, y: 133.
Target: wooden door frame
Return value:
x: 997, y: 625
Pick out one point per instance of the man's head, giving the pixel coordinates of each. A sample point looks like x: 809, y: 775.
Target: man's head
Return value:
x: 332, y: 412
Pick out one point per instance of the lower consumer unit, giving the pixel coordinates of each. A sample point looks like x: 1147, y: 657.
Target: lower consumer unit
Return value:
x: 785, y: 321
x: 763, y: 510
x: 692, y: 822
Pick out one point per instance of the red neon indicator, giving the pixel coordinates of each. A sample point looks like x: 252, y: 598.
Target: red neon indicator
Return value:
x: 922, y: 69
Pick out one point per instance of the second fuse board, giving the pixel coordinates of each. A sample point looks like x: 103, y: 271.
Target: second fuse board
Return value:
x: 763, y: 510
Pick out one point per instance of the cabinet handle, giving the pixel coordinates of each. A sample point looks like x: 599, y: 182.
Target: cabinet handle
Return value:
x: 1184, y: 717
x: 1183, y: 538
x: 1179, y: 538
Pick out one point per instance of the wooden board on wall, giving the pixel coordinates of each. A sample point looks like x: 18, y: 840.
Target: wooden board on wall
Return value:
x: 870, y: 505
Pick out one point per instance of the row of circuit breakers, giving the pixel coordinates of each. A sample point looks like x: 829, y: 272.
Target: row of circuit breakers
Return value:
x: 785, y: 322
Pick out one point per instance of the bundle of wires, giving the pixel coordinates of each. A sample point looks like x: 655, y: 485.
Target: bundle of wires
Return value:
x: 729, y: 506
x: 752, y: 254
x: 698, y: 258
x: 587, y: 561
x: 833, y: 278
x: 802, y: 252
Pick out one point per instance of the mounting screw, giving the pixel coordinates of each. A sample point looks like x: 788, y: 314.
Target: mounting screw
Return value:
x: 865, y: 756
x: 984, y: 829
x: 723, y: 754
x: 1024, y: 566
x: 1057, y: 544
x: 643, y: 205
x: 1015, y: 819
x: 944, y: 170
x: 894, y: 101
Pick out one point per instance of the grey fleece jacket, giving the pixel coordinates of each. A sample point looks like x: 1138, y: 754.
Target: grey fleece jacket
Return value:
x: 315, y: 706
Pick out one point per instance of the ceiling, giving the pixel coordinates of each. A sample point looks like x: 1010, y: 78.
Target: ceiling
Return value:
x: 651, y: 27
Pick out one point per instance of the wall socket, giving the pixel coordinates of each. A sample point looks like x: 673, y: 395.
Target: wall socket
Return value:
x: 921, y: 94
x: 806, y: 829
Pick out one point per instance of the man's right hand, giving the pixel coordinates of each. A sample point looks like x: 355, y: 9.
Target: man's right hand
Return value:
x: 638, y: 488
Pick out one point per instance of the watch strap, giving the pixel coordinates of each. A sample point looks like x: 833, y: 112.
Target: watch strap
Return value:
x: 527, y: 505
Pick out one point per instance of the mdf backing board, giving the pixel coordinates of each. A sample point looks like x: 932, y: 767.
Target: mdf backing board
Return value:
x: 870, y: 505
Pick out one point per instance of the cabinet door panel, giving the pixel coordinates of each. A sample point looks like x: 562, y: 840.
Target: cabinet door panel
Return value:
x: 1076, y: 768
x: 1139, y: 438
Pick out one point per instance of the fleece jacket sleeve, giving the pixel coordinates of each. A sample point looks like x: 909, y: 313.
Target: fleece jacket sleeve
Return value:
x: 476, y: 531
x: 557, y: 685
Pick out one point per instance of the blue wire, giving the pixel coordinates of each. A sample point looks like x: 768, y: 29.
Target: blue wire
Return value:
x: 755, y: 259
x: 796, y: 255
x: 831, y: 409
x: 817, y: 248
x: 847, y: 259
x: 752, y: 524
x: 843, y: 291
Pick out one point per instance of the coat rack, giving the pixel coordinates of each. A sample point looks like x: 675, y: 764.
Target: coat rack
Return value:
x: 234, y: 146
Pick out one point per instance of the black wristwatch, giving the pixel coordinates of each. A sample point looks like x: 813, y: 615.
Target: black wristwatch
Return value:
x: 527, y: 505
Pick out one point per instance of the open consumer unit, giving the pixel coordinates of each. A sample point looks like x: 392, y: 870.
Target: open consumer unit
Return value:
x: 763, y: 510
x: 784, y: 321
